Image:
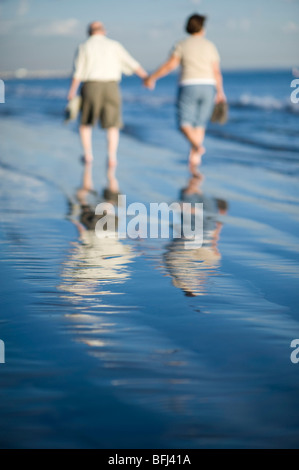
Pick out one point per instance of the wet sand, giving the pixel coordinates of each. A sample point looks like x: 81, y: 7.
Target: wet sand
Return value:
x: 140, y: 343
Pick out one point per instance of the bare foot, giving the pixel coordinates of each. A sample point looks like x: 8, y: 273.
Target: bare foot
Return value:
x: 195, y: 159
x: 113, y: 185
x: 194, y: 170
x: 88, y: 158
x: 201, y: 150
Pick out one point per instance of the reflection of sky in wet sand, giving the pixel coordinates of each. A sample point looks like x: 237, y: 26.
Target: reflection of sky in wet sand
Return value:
x: 155, y: 351
x: 215, y: 366
x: 147, y: 366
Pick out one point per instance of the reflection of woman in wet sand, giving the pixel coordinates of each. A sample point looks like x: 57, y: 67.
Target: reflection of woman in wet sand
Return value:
x: 200, y: 81
x: 190, y: 269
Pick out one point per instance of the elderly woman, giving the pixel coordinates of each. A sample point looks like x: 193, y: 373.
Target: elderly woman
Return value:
x: 199, y: 87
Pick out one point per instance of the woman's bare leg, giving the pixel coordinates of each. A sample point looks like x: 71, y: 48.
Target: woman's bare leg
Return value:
x: 192, y: 136
x: 195, y: 136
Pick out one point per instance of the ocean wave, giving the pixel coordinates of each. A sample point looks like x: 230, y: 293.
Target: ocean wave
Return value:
x: 268, y: 102
x: 37, y: 91
x: 24, y: 90
x: 151, y: 100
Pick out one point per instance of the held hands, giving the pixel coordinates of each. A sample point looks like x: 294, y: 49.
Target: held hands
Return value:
x: 149, y: 83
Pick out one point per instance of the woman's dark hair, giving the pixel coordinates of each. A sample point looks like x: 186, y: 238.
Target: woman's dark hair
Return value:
x: 195, y: 23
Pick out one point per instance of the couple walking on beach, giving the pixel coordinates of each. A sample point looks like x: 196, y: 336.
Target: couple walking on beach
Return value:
x: 100, y: 63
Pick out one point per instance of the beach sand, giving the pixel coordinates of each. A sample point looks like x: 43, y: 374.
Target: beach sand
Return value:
x: 140, y: 343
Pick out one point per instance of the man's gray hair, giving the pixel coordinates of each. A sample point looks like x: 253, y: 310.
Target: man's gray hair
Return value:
x: 95, y: 27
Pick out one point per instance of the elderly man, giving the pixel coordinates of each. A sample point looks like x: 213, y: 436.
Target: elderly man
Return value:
x: 99, y: 64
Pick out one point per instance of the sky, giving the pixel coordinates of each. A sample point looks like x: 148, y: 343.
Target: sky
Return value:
x: 43, y: 34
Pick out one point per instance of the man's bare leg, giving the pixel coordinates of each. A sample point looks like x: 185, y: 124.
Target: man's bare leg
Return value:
x: 87, y: 184
x: 87, y: 177
x: 112, y: 146
x: 86, y: 140
x: 112, y: 181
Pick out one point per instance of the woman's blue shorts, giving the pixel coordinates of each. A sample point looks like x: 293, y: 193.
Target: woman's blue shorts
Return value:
x: 195, y: 104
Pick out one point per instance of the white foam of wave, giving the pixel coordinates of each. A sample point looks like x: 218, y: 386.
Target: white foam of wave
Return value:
x: 28, y: 91
x: 268, y: 102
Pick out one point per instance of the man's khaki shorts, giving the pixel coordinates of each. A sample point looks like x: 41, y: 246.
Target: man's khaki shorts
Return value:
x: 101, y: 101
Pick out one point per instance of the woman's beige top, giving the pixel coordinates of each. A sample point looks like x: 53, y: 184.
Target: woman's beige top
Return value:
x: 197, y: 55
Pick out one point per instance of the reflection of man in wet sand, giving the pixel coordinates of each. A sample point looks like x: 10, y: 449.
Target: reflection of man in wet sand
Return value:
x: 99, y: 64
x: 190, y: 269
x: 94, y: 261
